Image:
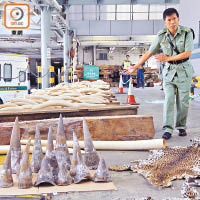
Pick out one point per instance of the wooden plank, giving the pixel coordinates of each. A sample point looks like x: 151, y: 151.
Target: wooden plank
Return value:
x: 116, y: 103
x: 103, y: 128
x: 109, y: 110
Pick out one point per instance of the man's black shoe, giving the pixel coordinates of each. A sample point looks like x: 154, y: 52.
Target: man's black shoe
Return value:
x: 167, y: 135
x: 182, y: 132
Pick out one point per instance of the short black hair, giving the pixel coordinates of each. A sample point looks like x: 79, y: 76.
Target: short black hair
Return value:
x: 140, y: 55
x: 127, y: 55
x: 169, y: 12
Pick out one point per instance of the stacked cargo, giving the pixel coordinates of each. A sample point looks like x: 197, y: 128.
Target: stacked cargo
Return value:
x: 110, y: 74
x: 107, y: 73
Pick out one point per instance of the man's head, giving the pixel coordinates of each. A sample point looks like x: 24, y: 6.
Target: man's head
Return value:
x: 140, y: 55
x: 169, y: 12
x: 171, y: 19
x: 127, y: 57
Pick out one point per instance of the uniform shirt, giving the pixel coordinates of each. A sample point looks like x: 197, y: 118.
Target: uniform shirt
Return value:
x: 126, y: 64
x: 183, y: 40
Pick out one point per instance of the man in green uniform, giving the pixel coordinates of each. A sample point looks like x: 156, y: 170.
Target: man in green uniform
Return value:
x: 176, y: 43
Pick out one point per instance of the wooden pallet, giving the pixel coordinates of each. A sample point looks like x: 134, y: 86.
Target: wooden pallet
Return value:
x: 108, y: 110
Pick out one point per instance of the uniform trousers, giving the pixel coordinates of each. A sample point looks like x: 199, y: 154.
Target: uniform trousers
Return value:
x: 176, y: 91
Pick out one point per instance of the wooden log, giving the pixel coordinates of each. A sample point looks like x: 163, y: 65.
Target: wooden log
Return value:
x: 104, y: 128
x: 108, y: 110
x: 5, y: 133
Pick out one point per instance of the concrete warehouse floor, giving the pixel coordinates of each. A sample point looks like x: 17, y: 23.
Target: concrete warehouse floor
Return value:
x: 132, y: 185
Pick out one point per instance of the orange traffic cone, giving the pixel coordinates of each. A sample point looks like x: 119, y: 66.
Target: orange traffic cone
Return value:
x: 130, y: 97
x: 120, y: 90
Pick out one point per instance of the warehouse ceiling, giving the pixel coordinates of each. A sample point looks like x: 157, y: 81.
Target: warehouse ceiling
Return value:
x: 29, y: 41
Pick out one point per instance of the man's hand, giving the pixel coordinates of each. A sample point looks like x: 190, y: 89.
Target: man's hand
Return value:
x: 130, y: 70
x: 120, y: 72
x: 162, y: 57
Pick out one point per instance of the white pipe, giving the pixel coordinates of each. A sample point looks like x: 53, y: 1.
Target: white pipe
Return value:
x: 117, y: 145
x: 5, y: 148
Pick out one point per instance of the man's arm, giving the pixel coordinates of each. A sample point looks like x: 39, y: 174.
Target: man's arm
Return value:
x: 142, y: 60
x: 189, y: 46
x: 164, y: 58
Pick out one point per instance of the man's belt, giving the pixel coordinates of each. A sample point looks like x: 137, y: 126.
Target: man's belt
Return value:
x: 178, y: 61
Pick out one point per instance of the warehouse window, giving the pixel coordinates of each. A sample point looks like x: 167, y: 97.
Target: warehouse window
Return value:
x: 75, y: 12
x: 7, y: 72
x: 155, y: 16
x: 123, y: 12
x: 107, y: 16
x: 89, y: 12
x: 89, y: 16
x: 140, y: 12
x: 156, y: 11
x: 119, y: 12
x: 22, y: 76
x: 139, y: 8
x: 75, y: 9
x: 103, y: 56
x: 157, y: 8
x: 140, y: 16
x: 107, y: 12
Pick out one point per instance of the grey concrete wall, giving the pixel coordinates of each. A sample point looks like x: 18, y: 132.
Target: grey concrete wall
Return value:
x: 117, y: 28
x: 190, y: 17
x: 115, y: 58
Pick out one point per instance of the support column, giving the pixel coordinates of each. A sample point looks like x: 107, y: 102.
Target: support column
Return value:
x: 146, y: 48
x: 94, y: 55
x: 75, y: 53
x: 39, y: 78
x: 70, y: 59
x: 62, y: 75
x: 45, y: 45
x: 29, y: 76
x: 59, y: 76
x: 66, y: 56
x: 52, y: 76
